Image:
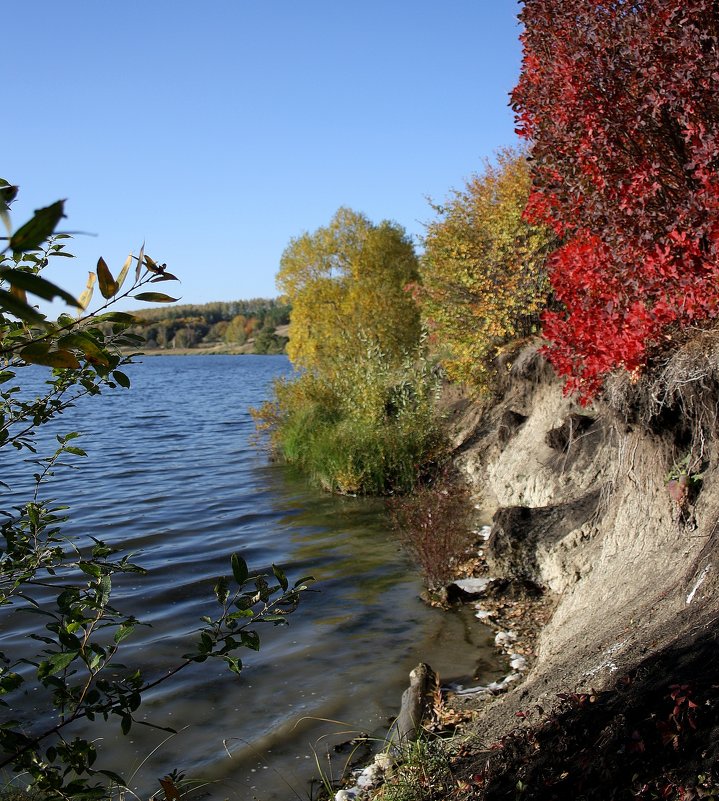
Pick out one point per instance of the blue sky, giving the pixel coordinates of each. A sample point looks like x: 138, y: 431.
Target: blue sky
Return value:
x: 217, y: 131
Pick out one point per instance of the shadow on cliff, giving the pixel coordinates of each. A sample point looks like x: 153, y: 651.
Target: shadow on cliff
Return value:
x: 654, y: 735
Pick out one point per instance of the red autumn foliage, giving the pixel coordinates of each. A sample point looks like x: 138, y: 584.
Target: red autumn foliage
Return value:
x: 620, y: 100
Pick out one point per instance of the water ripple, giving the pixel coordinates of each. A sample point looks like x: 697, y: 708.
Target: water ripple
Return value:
x: 171, y: 475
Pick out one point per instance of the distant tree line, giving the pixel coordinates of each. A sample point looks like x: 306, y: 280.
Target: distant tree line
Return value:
x: 251, y: 323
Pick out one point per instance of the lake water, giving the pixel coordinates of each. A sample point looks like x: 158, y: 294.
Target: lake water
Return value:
x: 172, y: 476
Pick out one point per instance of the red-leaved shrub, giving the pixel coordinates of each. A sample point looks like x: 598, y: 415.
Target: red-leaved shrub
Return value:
x: 620, y: 100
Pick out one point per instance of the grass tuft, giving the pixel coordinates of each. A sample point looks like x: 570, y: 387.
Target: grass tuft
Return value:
x: 368, y: 427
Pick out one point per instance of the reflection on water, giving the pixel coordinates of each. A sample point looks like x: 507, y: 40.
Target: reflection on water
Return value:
x: 174, y: 478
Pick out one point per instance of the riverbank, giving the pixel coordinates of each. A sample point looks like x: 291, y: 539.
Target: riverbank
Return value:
x: 609, y: 513
x: 219, y: 349
x: 214, y: 349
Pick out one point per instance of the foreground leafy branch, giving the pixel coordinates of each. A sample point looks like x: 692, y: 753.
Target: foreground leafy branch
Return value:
x: 61, y: 587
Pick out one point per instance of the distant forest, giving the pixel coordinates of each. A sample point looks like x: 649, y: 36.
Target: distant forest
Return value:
x: 244, y: 326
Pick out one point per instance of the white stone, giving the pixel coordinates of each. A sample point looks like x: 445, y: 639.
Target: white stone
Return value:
x: 473, y: 690
x: 472, y: 585
x: 370, y: 776
x: 484, y: 532
x: 517, y: 662
x: 383, y: 761
x: 504, y: 638
x: 498, y: 686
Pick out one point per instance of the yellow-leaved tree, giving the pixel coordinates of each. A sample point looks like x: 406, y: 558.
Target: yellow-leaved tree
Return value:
x: 359, y: 417
x: 347, y: 283
x: 484, y: 277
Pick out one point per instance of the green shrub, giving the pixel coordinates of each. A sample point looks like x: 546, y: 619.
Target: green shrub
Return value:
x: 370, y: 427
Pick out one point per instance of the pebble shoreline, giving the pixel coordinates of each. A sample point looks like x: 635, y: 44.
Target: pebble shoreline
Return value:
x: 517, y: 620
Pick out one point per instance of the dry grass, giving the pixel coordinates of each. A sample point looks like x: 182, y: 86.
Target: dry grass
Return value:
x: 433, y: 524
x: 679, y: 393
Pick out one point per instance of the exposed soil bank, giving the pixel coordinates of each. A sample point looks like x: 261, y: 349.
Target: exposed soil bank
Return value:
x: 613, y: 511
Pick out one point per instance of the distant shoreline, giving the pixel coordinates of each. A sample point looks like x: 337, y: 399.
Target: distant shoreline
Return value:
x: 247, y: 348
x: 214, y: 351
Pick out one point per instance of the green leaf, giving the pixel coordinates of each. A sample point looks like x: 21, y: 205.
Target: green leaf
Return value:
x: 250, y: 639
x: 119, y: 317
x: 104, y: 589
x: 90, y: 568
x: 154, y: 297
x: 10, y: 682
x: 234, y: 664
x: 108, y: 285
x: 101, y: 549
x: 76, y: 341
x: 124, y: 631
x: 68, y: 639
x: 280, y: 576
x: 36, y: 285
x: 121, y: 379
x: 126, y: 724
x: 11, y: 304
x: 303, y: 580
x: 241, y: 613
x: 239, y: 569
x: 38, y: 229
x: 58, y: 662
x: 86, y: 345
x: 39, y: 353
x: 221, y: 589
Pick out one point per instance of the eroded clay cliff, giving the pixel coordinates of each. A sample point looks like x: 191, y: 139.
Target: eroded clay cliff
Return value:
x: 613, y: 509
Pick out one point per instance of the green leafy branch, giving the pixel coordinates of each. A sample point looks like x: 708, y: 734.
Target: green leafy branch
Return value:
x: 83, y: 633
x: 67, y: 589
x: 90, y: 345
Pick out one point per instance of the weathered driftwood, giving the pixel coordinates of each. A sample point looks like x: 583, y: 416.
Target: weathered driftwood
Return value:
x: 417, y: 705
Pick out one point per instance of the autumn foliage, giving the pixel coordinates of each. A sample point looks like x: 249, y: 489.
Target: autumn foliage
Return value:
x: 359, y: 416
x: 620, y: 102
x: 484, y: 276
x: 346, y: 284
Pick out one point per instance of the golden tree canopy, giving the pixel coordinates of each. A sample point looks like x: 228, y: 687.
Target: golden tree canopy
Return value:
x: 484, y: 275
x: 347, y: 283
